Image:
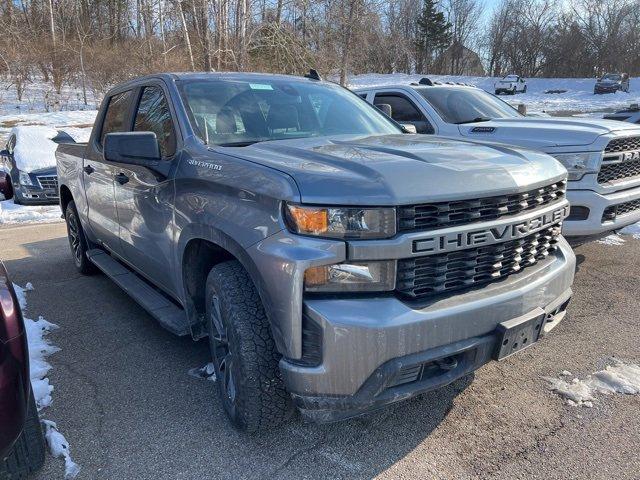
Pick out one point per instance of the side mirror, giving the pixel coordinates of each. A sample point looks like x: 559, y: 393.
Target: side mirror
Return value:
x: 135, y: 148
x: 409, y: 128
x: 384, y: 108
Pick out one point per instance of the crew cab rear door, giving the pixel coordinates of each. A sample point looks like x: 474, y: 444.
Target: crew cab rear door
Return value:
x: 99, y: 174
x: 144, y: 198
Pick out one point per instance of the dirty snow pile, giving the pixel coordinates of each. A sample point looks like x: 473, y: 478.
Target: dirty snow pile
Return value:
x: 10, y: 213
x: 620, y: 378
x: 39, y: 349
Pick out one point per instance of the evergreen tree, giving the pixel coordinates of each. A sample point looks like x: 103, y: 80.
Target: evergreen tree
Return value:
x: 433, y: 34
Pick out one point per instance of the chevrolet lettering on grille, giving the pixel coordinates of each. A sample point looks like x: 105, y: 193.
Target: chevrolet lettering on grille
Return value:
x: 487, y: 236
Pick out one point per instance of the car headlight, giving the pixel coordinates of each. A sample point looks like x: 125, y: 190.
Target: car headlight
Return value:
x: 578, y: 164
x: 341, y: 222
x: 25, y: 179
x: 351, y: 277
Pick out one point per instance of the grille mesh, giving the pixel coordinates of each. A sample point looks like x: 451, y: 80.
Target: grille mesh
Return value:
x: 448, y: 214
x: 616, y: 171
x: 432, y: 275
x: 622, y: 145
x: 628, y: 207
x: 48, y: 182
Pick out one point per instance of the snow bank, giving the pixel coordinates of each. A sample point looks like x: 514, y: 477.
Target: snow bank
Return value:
x: 39, y: 349
x: 619, y: 378
x: 34, y: 148
x: 10, y: 213
x: 578, y: 97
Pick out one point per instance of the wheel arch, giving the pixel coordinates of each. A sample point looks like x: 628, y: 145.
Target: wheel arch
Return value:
x: 65, y: 197
x: 199, y: 251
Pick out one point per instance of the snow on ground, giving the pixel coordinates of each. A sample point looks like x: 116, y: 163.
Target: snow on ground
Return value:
x: 620, y: 378
x: 578, y: 97
x: 39, y: 349
x: 71, y: 122
x: 11, y: 214
x: 207, y: 371
x: 40, y: 96
x: 616, y: 238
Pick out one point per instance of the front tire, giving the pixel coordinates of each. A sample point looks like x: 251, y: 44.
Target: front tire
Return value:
x: 77, y: 240
x: 244, y: 353
x: 27, y: 454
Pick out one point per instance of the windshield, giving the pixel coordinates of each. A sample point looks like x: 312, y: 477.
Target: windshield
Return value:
x: 612, y: 76
x: 239, y: 113
x: 466, y: 105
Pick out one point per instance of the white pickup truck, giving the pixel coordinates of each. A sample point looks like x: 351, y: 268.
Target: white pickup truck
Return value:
x: 602, y: 156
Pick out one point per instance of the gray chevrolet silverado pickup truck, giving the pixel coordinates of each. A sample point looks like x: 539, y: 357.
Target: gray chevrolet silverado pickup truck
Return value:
x: 335, y: 263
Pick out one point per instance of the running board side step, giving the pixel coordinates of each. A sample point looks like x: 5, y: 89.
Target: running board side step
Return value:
x: 168, y: 314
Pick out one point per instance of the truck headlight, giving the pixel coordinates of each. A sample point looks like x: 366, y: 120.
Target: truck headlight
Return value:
x: 351, y: 277
x: 578, y: 164
x: 341, y: 222
x: 25, y: 179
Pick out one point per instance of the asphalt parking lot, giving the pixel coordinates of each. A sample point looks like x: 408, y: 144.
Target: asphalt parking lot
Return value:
x: 124, y: 400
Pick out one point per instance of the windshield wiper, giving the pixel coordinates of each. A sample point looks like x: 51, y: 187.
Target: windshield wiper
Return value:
x: 475, y: 120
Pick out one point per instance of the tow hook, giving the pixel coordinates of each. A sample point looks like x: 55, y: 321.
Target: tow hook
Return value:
x: 448, y: 363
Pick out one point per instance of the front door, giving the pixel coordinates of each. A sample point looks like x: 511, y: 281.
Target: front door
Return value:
x: 99, y: 174
x: 144, y: 199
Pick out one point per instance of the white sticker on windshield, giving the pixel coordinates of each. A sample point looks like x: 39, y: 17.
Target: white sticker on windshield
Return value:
x: 260, y: 86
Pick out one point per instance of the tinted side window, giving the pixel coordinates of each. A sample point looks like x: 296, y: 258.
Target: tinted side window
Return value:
x: 403, y: 111
x: 116, y: 116
x: 153, y: 115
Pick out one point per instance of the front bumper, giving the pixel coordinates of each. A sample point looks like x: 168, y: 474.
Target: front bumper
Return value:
x: 36, y: 196
x: 607, y: 89
x: 597, y: 203
x: 367, y: 342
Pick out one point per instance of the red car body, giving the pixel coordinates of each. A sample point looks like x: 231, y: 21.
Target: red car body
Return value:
x: 14, y: 366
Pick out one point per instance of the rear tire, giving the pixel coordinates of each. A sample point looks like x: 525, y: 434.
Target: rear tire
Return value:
x: 27, y: 454
x: 77, y: 240
x: 243, y: 351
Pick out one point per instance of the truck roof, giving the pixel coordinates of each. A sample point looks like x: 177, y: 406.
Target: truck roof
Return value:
x: 178, y: 76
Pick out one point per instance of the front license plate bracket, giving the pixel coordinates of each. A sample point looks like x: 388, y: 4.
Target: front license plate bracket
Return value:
x: 519, y: 333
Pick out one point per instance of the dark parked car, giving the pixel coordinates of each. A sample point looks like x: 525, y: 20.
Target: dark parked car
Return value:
x: 611, y: 83
x: 31, y: 186
x: 21, y: 440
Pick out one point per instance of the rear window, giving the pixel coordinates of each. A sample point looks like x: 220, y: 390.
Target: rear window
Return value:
x: 116, y: 116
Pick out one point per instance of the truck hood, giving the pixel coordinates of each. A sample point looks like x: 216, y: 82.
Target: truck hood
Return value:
x: 546, y: 132
x: 401, y: 169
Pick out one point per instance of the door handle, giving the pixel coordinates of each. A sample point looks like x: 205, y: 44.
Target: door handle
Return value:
x: 88, y: 169
x: 121, y: 178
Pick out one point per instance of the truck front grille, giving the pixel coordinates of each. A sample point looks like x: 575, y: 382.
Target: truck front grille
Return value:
x: 48, y: 182
x: 430, y: 216
x: 424, y: 277
x: 610, y: 213
x: 622, y: 145
x: 621, y: 160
